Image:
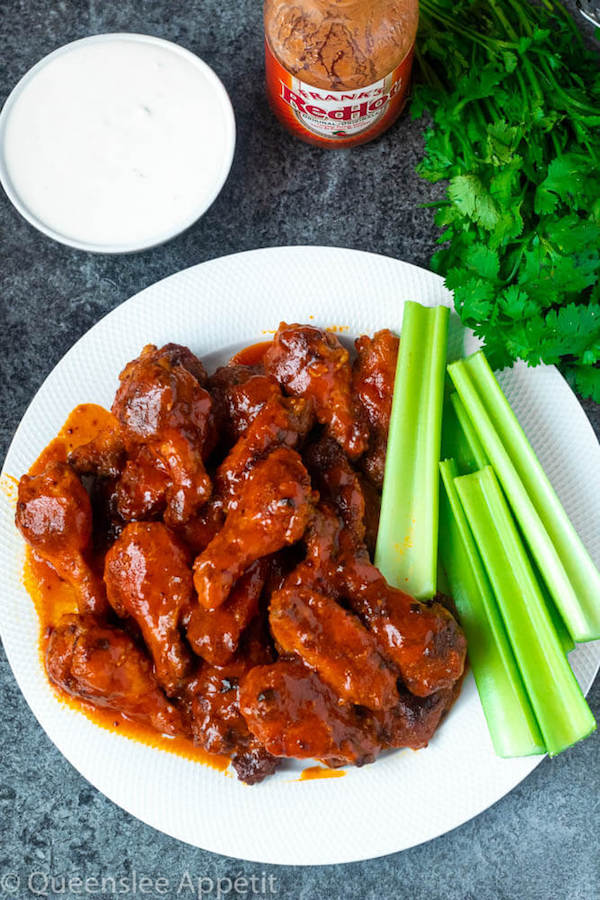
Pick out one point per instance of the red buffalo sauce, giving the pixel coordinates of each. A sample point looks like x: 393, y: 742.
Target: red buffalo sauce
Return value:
x: 338, y: 71
x: 314, y: 773
x: 252, y: 355
x: 53, y: 597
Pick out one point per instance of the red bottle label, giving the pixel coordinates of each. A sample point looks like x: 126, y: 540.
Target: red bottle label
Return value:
x: 336, y: 118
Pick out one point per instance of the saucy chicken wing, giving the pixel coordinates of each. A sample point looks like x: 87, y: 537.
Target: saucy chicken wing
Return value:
x: 293, y: 713
x: 104, y: 456
x: 423, y: 640
x: 141, y: 491
x: 54, y: 515
x: 212, y: 701
x: 282, y: 422
x: 335, y: 643
x: 148, y: 578
x: 310, y: 362
x: 275, y: 505
x: 215, y: 634
x: 373, y: 375
x: 337, y: 482
x: 103, y: 666
x: 161, y: 404
x: 239, y: 393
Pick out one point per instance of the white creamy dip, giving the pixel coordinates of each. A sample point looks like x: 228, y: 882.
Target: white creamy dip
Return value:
x: 117, y: 142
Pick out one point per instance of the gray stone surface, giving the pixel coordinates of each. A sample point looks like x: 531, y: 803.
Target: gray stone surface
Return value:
x: 539, y: 842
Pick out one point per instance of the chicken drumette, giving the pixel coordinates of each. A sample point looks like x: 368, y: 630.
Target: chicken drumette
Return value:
x: 215, y: 633
x: 310, y: 362
x: 282, y: 422
x: 239, y: 393
x: 161, y: 405
x: 274, y: 508
x: 148, y: 577
x: 104, y: 666
x: 54, y: 515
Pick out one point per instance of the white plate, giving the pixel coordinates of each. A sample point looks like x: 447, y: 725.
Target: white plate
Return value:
x: 404, y: 798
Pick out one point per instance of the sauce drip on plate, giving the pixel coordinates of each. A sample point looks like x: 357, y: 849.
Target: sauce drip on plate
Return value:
x: 53, y: 598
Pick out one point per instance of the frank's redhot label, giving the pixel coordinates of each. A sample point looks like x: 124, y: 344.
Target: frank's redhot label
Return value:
x: 336, y: 118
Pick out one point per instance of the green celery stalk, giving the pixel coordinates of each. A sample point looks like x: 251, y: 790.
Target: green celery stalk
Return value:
x: 558, y: 703
x: 406, y: 551
x: 459, y: 438
x: 454, y: 443
x: 570, y: 575
x: 470, y: 434
x: 511, y: 721
x: 564, y: 635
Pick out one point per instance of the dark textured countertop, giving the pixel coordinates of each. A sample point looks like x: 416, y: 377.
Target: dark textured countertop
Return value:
x: 539, y: 842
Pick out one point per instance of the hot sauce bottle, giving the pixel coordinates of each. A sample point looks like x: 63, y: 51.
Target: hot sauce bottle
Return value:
x: 338, y: 71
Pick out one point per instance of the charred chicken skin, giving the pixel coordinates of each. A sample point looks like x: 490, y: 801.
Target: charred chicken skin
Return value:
x: 212, y: 704
x: 310, y: 362
x: 373, y: 375
x: 233, y: 518
x: 148, y: 577
x: 54, y: 515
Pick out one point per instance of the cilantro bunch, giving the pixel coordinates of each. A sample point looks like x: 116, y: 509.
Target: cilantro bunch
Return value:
x: 515, y: 101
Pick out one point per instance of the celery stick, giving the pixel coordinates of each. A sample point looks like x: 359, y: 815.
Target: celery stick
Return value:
x: 512, y: 724
x: 454, y: 444
x: 569, y: 573
x: 559, y: 706
x: 459, y: 438
x: 562, y: 631
x: 470, y: 434
x: 406, y: 551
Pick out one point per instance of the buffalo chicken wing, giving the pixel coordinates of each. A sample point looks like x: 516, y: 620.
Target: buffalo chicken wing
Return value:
x: 148, y: 577
x: 373, y: 375
x: 274, y: 508
x: 310, y: 362
x: 233, y: 518
x: 103, y: 666
x: 54, y: 515
x: 161, y: 404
